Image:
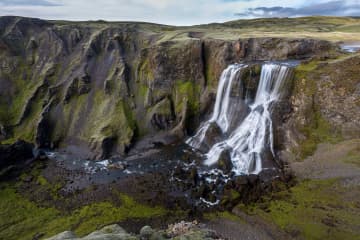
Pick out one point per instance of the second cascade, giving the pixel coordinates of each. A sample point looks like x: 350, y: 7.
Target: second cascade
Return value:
x: 241, y: 126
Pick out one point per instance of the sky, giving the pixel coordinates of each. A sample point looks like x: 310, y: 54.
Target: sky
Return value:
x: 176, y: 12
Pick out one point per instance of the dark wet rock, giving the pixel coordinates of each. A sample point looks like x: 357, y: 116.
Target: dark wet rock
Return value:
x: 84, y: 84
x: 2, y: 132
x: 224, y: 162
x: 204, y: 191
x: 213, y: 135
x: 43, y: 130
x: 40, y: 154
x: 28, y: 178
x: 162, y: 116
x: 194, y: 176
x: 16, y: 153
x: 107, y: 146
x: 71, y: 89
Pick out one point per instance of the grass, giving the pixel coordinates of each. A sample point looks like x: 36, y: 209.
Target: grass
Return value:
x: 22, y: 219
x: 318, y: 27
x: 313, y: 209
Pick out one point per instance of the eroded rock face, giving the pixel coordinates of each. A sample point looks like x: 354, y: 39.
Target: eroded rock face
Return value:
x: 324, y: 107
x: 71, y: 84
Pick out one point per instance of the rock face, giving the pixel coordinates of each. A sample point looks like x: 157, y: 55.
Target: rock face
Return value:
x: 105, y: 86
x: 324, y: 107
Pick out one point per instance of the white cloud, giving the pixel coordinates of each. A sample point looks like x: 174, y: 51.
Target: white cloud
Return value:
x: 176, y: 12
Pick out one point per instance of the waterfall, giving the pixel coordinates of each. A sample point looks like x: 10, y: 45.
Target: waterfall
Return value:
x: 250, y: 142
x: 221, y: 114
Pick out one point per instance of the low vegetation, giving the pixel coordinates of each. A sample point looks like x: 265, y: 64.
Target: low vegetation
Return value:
x: 28, y: 217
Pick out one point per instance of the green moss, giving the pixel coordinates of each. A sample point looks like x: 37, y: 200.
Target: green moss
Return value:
x: 99, y: 214
x: 314, y: 209
x: 9, y: 141
x: 24, y: 88
x: 71, y: 114
x: 129, y: 115
x: 304, y: 84
x: 143, y: 90
x: 223, y: 215
x: 318, y: 131
x: 145, y: 72
x: 187, y: 92
x: 5, y: 117
x: 22, y: 219
x: 25, y: 83
x: 190, y: 91
x: 42, y: 181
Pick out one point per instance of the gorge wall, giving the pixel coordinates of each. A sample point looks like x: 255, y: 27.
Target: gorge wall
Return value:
x: 104, y: 87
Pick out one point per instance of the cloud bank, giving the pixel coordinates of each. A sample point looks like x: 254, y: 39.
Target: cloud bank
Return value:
x: 174, y: 12
x: 332, y: 8
x: 27, y: 3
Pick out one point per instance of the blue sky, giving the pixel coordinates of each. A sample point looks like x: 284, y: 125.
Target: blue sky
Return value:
x: 176, y: 12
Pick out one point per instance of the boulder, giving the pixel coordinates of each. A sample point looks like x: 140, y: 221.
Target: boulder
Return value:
x: 146, y: 232
x: 67, y: 235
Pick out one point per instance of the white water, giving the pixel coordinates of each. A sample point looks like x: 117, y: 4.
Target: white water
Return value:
x: 252, y: 140
x: 221, y: 114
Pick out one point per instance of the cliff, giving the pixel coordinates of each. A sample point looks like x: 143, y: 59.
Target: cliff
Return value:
x: 103, y: 87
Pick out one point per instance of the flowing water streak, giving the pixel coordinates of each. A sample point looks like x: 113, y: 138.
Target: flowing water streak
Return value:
x: 252, y: 140
x: 221, y: 109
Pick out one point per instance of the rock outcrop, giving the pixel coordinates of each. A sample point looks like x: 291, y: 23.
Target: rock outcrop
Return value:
x: 323, y: 108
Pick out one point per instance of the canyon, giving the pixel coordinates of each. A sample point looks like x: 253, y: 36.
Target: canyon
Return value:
x: 151, y: 124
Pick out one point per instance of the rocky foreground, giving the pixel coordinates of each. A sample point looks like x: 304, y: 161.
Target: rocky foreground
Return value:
x: 179, y: 231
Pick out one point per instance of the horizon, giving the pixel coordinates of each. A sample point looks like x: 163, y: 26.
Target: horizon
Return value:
x: 174, y: 13
x: 156, y: 23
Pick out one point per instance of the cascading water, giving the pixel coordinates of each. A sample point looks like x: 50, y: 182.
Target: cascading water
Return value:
x: 222, y: 114
x: 250, y: 142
